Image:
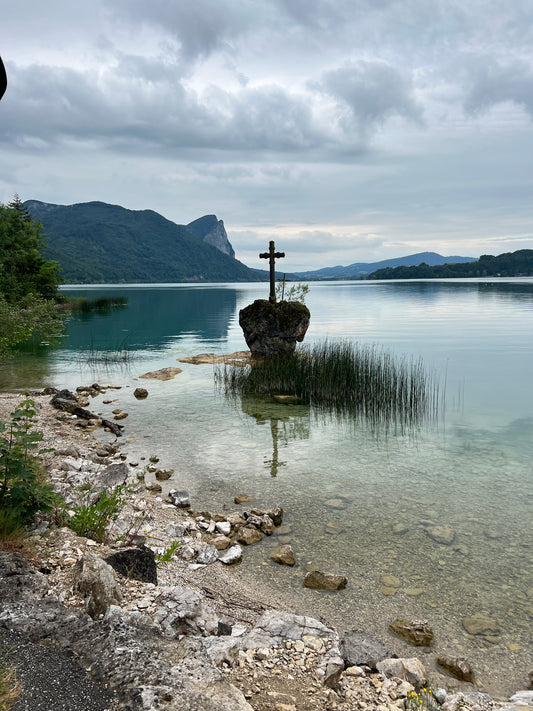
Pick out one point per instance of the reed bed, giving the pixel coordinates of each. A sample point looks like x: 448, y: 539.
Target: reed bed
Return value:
x: 344, y: 378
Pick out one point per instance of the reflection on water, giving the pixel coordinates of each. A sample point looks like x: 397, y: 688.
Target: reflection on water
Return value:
x: 359, y: 504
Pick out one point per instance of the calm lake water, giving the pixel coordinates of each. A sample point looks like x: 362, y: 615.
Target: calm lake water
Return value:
x: 357, y: 502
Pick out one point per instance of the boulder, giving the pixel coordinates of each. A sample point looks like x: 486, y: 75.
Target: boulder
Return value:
x: 273, y: 329
x: 19, y: 580
x: 283, y: 555
x: 185, y: 611
x: 458, y: 667
x: 135, y: 563
x: 324, y: 581
x: 140, y: 393
x: 181, y: 499
x: 411, y: 670
x: 231, y: 555
x: 248, y: 535
x: 416, y: 632
x: 95, y: 581
x: 362, y: 649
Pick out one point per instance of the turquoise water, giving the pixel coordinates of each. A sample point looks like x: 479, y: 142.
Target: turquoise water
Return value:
x: 470, y: 470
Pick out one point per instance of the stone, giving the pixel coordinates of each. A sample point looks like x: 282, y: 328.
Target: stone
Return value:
x: 121, y: 416
x: 411, y: 670
x: 391, y: 581
x: 207, y: 555
x: 458, y: 667
x: 236, y: 358
x: 480, y: 624
x: 267, y: 525
x: 223, y: 527
x: 399, y: 529
x: 469, y: 701
x: 283, y: 555
x: 113, y: 475
x: 416, y: 632
x: 362, y: 649
x: 317, y: 580
x: 522, y: 698
x: 231, y: 556
x: 95, y: 581
x: 140, y: 393
x: 243, y: 499
x: 155, y: 487
x: 333, y: 529
x: 221, y: 542
x: 272, y: 329
x: 162, y: 374
x: 248, y: 535
x: 276, y: 627
x: 135, y: 563
x: 163, y: 474
x: 19, y: 580
x: 179, y: 498
x: 276, y: 514
x: 335, y: 503
x: 444, y: 535
x: 184, y: 610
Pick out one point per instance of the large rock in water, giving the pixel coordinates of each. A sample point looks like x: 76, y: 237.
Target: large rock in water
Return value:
x: 273, y: 329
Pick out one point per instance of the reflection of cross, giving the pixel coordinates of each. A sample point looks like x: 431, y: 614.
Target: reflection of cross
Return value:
x: 272, y: 255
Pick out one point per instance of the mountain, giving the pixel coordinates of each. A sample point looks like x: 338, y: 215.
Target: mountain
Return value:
x: 99, y: 243
x: 362, y: 269
x: 509, y: 264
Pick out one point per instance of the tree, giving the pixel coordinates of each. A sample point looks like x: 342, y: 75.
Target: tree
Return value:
x: 28, y: 281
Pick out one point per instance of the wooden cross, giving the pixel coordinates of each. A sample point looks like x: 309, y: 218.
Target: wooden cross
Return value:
x: 272, y: 255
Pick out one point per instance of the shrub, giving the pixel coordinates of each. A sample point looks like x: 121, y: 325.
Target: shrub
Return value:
x: 23, y: 489
x: 91, y: 520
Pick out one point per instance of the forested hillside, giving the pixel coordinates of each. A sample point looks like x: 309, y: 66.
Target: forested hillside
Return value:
x: 97, y: 243
x: 509, y: 264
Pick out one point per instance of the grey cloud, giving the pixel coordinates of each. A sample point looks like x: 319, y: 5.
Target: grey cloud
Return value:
x: 490, y: 81
x: 374, y: 91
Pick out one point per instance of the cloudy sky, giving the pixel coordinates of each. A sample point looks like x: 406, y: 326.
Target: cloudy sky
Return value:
x: 346, y: 130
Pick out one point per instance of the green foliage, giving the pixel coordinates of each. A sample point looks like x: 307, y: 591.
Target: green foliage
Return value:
x: 23, y: 268
x: 295, y: 292
x: 30, y: 316
x: 509, y: 264
x: 23, y: 490
x: 167, y: 555
x: 91, y: 520
x: 28, y: 282
x: 99, y: 243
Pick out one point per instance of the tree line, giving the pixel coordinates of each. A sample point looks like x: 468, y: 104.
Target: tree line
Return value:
x: 28, y: 281
x: 509, y: 264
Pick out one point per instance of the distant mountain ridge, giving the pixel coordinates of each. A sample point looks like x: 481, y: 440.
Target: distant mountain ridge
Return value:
x: 95, y: 242
x: 362, y: 269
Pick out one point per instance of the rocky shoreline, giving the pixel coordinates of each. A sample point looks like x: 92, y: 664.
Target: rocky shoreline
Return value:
x: 182, y: 634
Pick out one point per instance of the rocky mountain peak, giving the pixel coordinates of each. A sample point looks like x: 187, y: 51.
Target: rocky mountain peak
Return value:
x: 211, y: 230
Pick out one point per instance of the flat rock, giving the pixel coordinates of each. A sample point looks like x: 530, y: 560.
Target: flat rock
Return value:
x: 362, y: 649
x: 416, y: 632
x: 480, y: 624
x: 317, y: 580
x: 458, y: 667
x: 231, y: 556
x: 244, y: 498
x: 283, y: 555
x: 237, y: 358
x: 444, y: 535
x: 162, y: 374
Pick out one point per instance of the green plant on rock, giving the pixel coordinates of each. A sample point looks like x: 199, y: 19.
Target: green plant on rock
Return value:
x: 295, y: 292
x: 167, y: 555
x: 23, y: 488
x: 92, y: 519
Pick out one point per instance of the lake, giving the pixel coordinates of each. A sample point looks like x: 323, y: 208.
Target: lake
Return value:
x: 357, y: 501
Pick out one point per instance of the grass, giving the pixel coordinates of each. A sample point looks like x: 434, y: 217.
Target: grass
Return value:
x: 10, y: 688
x: 361, y: 382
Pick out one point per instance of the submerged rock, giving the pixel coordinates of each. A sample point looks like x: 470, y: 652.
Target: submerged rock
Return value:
x: 416, y: 632
x: 283, y: 555
x: 324, y: 581
x: 458, y: 667
x: 163, y: 374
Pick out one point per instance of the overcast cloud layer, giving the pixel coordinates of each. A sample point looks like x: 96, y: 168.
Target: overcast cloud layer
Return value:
x: 346, y: 130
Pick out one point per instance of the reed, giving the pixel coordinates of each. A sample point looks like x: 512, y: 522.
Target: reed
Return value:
x: 345, y: 378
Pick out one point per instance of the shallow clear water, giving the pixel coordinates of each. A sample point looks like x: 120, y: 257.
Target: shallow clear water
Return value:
x: 470, y: 470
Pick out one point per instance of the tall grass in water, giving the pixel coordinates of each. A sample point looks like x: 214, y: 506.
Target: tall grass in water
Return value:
x: 362, y: 382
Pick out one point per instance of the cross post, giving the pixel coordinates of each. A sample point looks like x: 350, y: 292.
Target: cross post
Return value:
x: 272, y: 255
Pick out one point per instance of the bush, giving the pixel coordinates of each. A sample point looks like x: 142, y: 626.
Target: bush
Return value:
x: 91, y: 520
x: 23, y: 489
